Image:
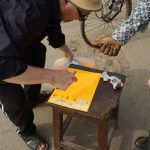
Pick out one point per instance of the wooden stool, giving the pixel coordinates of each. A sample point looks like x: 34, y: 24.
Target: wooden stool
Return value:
x: 104, y: 107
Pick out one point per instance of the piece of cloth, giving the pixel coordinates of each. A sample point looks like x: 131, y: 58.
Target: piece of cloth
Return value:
x: 138, y: 20
x: 23, y: 23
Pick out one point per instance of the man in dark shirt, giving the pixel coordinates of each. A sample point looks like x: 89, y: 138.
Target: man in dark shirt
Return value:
x: 23, y: 24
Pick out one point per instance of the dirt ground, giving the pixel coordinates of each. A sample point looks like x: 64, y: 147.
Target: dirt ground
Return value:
x: 133, y: 61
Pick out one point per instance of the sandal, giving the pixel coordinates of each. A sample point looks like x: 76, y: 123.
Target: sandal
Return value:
x: 33, y: 141
x: 143, y: 143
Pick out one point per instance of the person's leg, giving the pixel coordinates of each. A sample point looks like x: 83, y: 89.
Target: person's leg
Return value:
x: 16, y: 108
x: 35, y: 56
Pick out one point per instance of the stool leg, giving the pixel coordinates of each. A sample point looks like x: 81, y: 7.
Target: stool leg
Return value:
x: 103, y: 135
x: 115, y: 116
x: 57, y: 128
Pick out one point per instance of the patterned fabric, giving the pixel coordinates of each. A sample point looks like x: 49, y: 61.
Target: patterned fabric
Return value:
x: 138, y: 20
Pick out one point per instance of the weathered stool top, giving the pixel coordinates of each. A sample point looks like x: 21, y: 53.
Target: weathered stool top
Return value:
x: 105, y: 97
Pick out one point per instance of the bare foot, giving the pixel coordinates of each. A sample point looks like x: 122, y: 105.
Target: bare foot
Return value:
x: 148, y: 83
x: 41, y: 146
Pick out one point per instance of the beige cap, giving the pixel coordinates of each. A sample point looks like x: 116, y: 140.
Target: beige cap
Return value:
x: 93, y: 5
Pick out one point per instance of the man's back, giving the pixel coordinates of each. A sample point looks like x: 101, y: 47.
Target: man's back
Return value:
x: 22, y: 21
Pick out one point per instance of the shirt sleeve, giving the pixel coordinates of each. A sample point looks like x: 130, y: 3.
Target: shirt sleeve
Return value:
x: 138, y: 20
x: 55, y: 36
x: 10, y: 67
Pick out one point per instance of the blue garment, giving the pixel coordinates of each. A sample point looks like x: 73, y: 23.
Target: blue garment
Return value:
x: 138, y: 20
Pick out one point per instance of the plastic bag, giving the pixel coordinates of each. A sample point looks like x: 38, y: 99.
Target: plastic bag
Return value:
x: 63, y: 63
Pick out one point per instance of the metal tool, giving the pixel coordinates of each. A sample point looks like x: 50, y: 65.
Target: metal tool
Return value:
x: 116, y: 82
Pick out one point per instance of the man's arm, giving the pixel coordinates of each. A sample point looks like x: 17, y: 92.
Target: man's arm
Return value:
x: 139, y: 17
x: 33, y: 75
x: 67, y: 51
x: 57, y: 39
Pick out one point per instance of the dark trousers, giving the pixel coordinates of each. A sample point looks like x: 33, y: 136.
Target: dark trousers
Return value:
x: 15, y: 100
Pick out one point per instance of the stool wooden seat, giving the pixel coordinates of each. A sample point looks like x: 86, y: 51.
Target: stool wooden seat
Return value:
x: 104, y: 107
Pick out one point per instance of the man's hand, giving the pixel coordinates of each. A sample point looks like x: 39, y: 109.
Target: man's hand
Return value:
x: 68, y: 53
x: 108, y: 46
x: 62, y: 79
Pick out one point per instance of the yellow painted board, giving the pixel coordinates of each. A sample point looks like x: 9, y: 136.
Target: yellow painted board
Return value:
x: 79, y: 94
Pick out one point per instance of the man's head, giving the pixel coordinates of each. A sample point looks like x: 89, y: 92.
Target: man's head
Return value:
x: 78, y: 9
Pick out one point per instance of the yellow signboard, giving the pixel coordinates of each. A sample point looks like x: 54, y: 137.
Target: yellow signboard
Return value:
x: 79, y: 94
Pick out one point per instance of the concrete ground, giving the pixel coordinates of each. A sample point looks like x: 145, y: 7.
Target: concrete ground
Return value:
x: 133, y: 61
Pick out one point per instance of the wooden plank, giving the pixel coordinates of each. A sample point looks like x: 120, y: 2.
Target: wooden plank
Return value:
x: 57, y: 128
x: 66, y: 123
x: 103, y: 135
x: 72, y: 146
